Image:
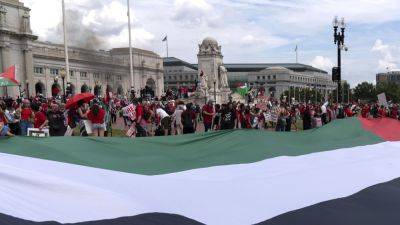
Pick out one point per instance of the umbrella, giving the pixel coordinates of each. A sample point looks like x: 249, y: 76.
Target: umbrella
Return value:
x: 86, y: 97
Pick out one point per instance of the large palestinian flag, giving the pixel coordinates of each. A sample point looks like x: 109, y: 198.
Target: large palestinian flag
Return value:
x: 7, y: 79
x: 346, y: 173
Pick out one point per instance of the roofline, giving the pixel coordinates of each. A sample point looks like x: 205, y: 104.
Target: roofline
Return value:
x: 257, y: 66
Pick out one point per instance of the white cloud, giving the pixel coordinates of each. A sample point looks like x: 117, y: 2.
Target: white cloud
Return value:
x: 387, y: 60
x: 323, y: 63
x: 194, y: 13
x: 248, y: 30
x: 252, y: 40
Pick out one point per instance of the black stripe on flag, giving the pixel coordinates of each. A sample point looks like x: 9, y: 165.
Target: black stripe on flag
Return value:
x: 144, y: 219
x: 376, y: 205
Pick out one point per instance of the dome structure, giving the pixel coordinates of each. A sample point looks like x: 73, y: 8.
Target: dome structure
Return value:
x: 210, y: 41
x: 278, y: 69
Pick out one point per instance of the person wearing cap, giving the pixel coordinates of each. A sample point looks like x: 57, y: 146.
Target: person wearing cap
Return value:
x: 208, y: 114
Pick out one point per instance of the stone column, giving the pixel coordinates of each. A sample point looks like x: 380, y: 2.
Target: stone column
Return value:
x: 78, y: 81
x: 27, y: 77
x: 5, y: 57
x: 48, y: 82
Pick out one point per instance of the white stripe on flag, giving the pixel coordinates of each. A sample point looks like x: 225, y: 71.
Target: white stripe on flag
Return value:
x: 41, y: 190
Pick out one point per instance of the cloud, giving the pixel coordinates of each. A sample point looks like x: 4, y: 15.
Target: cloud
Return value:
x: 387, y: 61
x: 93, y: 24
x: 248, y: 30
x: 323, y: 63
x: 194, y: 13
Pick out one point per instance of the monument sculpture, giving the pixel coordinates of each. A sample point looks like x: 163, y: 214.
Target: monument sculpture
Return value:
x: 213, y: 76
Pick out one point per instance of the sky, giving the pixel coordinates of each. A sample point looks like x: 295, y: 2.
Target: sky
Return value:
x: 249, y: 31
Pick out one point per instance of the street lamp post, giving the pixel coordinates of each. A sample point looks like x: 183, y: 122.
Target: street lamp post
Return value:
x: 215, y: 90
x: 339, y: 41
x: 63, y: 74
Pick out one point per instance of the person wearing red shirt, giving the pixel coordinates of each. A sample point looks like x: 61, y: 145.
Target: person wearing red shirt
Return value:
x: 141, y: 132
x: 27, y: 117
x: 96, y: 116
x: 40, y: 116
x: 382, y: 112
x: 365, y: 111
x: 348, y: 111
x: 208, y: 114
x: 394, y: 112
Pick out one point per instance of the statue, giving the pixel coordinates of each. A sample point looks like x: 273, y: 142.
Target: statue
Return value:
x: 208, y: 49
x: 223, y: 77
x: 203, y: 82
x: 3, y: 12
x: 26, y: 25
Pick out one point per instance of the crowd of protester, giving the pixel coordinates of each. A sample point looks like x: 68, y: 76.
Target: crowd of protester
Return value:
x: 172, y: 117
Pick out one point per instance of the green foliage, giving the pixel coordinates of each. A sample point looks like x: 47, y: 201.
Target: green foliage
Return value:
x: 365, y: 92
x: 304, y: 95
x: 391, y: 90
x: 368, y: 91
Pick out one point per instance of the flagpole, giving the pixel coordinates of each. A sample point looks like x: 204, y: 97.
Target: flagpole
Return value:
x: 130, y: 45
x: 65, y: 42
x: 167, y: 48
x: 297, y: 54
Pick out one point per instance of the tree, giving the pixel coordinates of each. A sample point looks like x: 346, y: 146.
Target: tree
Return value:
x: 304, y: 95
x: 392, y: 91
x: 365, y: 92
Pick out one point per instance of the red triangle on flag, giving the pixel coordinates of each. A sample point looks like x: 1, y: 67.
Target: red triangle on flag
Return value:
x: 10, y: 74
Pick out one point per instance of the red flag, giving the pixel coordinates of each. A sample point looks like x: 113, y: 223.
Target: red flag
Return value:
x: 10, y: 74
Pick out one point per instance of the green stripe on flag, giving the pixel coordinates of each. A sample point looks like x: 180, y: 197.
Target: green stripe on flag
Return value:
x: 161, y: 155
x: 4, y: 82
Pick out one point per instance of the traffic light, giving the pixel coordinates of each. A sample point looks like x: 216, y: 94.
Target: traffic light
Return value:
x: 335, y: 74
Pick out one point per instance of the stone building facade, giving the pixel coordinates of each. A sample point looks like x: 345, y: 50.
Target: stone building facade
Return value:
x: 39, y: 64
x: 178, y: 73
x: 392, y: 76
x: 275, y: 78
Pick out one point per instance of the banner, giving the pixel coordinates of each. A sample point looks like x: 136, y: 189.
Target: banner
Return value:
x: 382, y: 100
x: 130, y: 111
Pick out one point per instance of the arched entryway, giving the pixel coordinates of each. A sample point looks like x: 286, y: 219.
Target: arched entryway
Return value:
x: 151, y: 84
x: 84, y: 88
x: 97, y: 90
x: 55, y: 89
x: 272, y: 91
x: 40, y: 88
x: 120, y: 90
x: 109, y: 89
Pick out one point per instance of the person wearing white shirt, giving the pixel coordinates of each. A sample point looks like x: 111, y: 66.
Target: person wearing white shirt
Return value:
x: 324, y: 113
x: 165, y: 120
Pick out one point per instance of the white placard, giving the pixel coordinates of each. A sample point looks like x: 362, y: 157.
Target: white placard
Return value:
x: 382, y: 100
x: 88, y: 126
x: 35, y: 132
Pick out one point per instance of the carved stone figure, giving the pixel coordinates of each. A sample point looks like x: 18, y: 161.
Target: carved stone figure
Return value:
x: 223, y: 77
x: 203, y: 81
x: 26, y: 24
x: 209, y: 47
x: 3, y: 12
